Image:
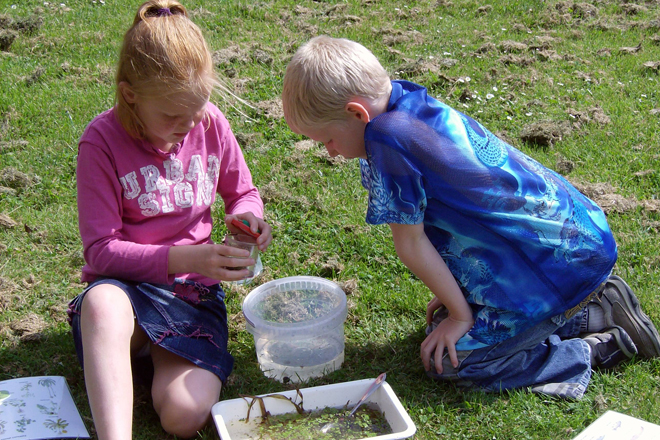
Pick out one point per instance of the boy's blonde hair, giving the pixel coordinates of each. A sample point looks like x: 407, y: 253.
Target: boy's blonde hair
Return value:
x: 163, y: 53
x: 324, y: 75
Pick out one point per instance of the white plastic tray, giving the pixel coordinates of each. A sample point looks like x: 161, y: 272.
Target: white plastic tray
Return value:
x: 229, y: 415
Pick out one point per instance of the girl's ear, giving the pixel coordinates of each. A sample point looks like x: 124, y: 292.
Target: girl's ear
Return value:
x: 127, y: 92
x: 358, y: 110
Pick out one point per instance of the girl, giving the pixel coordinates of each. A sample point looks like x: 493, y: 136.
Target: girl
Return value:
x: 148, y: 170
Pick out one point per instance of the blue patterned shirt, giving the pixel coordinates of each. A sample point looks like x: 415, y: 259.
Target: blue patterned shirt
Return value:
x: 522, y: 243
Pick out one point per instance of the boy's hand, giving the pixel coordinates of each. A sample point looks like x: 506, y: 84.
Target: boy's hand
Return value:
x: 256, y: 225
x: 422, y: 258
x: 431, y: 307
x: 445, y: 335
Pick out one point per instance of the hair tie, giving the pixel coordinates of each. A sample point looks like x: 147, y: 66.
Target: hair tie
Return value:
x: 164, y: 11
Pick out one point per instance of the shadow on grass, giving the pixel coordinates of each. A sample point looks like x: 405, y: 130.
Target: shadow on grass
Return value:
x: 54, y: 354
x: 399, y: 358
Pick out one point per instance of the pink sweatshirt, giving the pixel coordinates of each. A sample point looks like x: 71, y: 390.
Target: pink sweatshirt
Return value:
x: 135, y: 201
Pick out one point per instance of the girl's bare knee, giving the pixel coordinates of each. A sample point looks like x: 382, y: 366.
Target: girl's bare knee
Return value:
x: 106, y: 300
x: 186, y: 421
x: 106, y: 308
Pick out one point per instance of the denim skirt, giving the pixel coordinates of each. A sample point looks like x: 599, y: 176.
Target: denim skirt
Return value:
x: 186, y: 318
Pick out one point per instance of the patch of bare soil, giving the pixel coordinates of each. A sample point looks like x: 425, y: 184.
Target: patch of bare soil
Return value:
x: 271, y: 109
x: 610, y: 25
x: 652, y: 65
x: 58, y: 312
x: 28, y: 25
x: 12, y: 27
x: 230, y: 55
x: 300, y: 18
x: 7, y: 146
x: 28, y: 328
x: 630, y: 50
x: 517, y: 60
x: 486, y: 48
x: 332, y: 267
x: 422, y: 66
x: 328, y: 266
x: 305, y: 145
x: 248, y: 140
x: 391, y: 36
x: 577, y: 10
x: 15, y: 179
x: 650, y: 205
x: 520, y: 80
x: 606, y: 196
x: 272, y: 192
x: 300, y: 148
x: 8, y: 293
x: 594, y: 114
x: 633, y: 9
x: 7, y: 38
x: 509, y: 46
x: 323, y: 154
x: 485, y: 9
x: 548, y: 55
x: 564, y: 166
x: 7, y: 222
x: 236, y: 323
x: 542, y: 42
x: 348, y: 286
x: 544, y: 133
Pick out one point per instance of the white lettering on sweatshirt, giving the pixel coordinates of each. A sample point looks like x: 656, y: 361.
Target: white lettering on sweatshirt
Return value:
x: 176, y: 189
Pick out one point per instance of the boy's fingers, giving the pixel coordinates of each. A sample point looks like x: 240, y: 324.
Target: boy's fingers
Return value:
x: 439, y: 354
x: 426, y: 356
x: 453, y: 356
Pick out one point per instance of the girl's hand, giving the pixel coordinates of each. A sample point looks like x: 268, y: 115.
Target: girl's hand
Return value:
x: 256, y: 225
x: 217, y: 261
x: 224, y: 263
x: 445, y: 335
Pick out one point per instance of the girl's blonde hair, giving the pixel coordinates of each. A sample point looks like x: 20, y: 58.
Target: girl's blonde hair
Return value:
x: 163, y: 53
x: 324, y: 75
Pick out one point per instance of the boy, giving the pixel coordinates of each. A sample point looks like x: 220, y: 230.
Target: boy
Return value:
x: 518, y: 260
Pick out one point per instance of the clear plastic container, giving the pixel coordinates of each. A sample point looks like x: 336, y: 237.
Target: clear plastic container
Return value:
x: 298, y: 327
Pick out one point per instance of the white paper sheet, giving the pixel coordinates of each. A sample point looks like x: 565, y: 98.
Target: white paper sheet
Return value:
x: 616, y: 426
x: 39, y: 407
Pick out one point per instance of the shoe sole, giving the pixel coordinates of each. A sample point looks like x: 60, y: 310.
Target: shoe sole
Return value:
x: 649, y: 347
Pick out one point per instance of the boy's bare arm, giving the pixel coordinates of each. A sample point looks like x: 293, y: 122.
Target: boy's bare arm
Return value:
x: 418, y: 254
x: 416, y: 251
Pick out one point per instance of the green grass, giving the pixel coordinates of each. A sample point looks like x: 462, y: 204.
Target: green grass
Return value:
x: 57, y: 78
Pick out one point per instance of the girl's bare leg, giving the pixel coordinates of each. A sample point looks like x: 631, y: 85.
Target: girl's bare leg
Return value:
x: 108, y: 334
x: 183, y: 393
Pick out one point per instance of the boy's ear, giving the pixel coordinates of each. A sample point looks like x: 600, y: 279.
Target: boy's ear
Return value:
x: 358, y: 110
x: 127, y: 92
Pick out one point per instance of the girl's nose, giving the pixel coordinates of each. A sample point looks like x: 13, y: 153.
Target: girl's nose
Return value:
x: 189, y: 124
